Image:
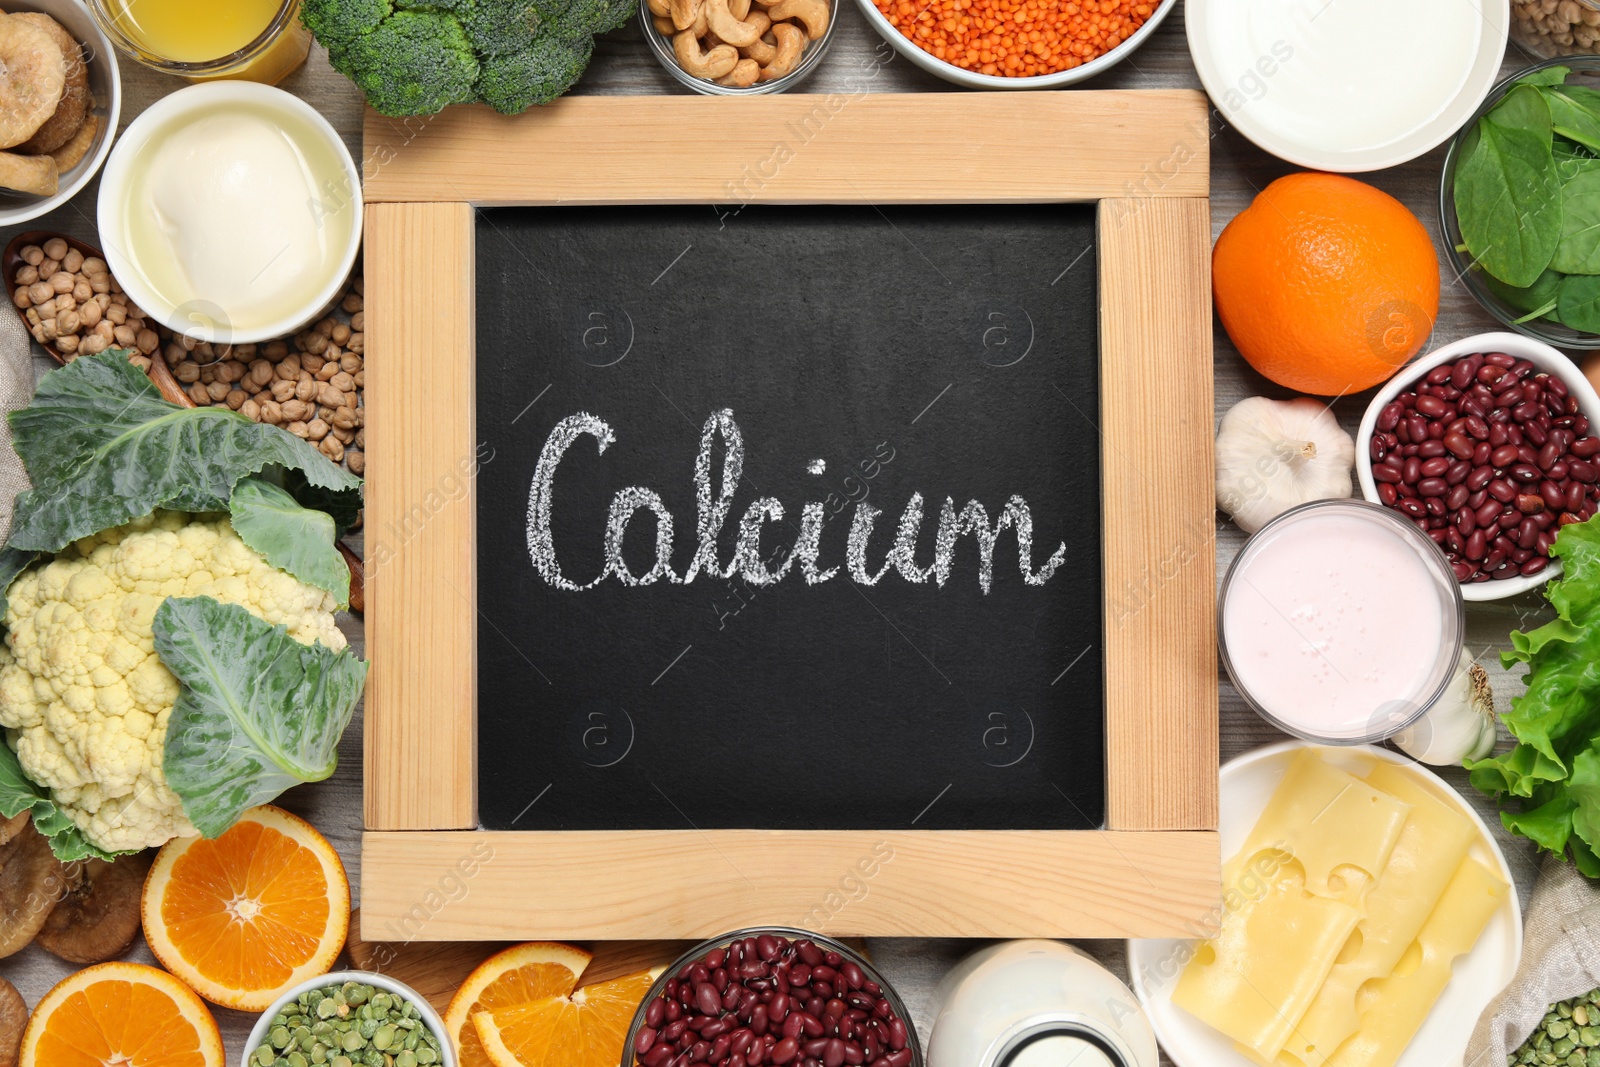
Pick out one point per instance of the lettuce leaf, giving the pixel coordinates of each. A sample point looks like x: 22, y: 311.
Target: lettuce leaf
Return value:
x: 103, y: 448
x: 288, y: 536
x: 1551, y: 779
x: 18, y: 794
x: 258, y: 712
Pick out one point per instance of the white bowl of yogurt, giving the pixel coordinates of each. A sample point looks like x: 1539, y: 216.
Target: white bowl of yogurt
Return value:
x: 231, y: 212
x: 1340, y: 622
x: 1347, y: 85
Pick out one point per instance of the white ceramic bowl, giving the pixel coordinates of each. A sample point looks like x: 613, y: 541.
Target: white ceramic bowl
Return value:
x: 105, y: 83
x: 1540, y: 355
x: 258, y: 1032
x: 198, y: 316
x: 1246, y: 784
x: 972, y: 80
x: 1234, y: 88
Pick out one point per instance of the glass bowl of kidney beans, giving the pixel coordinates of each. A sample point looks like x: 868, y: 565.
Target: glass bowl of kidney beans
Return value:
x: 1486, y: 445
x: 771, y: 995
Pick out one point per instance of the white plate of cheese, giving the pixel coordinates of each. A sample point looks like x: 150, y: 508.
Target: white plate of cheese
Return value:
x: 1375, y: 828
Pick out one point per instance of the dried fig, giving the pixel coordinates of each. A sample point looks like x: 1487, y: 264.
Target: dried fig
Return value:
x: 98, y: 918
x: 67, y: 119
x: 33, y: 73
x: 10, y: 828
x: 13, y: 1021
x: 31, y: 881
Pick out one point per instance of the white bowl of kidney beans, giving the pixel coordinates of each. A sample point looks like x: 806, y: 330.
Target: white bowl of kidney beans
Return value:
x: 1486, y: 445
x: 772, y: 995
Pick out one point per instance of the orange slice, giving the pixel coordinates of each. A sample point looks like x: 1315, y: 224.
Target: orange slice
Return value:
x: 522, y: 974
x: 586, y: 1029
x: 121, y: 1013
x: 244, y: 917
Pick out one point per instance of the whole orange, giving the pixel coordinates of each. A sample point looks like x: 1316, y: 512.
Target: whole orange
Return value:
x: 1326, y: 285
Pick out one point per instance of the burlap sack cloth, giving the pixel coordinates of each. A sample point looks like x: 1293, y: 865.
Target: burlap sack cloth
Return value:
x: 16, y: 389
x: 1560, y: 960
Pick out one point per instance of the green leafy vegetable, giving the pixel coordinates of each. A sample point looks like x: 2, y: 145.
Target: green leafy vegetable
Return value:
x: 292, y: 538
x: 1548, y: 76
x: 1579, y: 250
x: 17, y: 795
x: 1578, y: 302
x: 259, y: 712
x: 103, y: 448
x: 1551, y: 778
x: 1507, y: 190
x: 1537, y: 298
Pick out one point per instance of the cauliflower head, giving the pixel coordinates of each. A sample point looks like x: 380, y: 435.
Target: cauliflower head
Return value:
x: 84, y: 695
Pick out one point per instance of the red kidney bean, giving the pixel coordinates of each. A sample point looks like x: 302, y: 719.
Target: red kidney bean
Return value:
x: 1530, y: 503
x: 1554, y: 495
x: 1428, y: 449
x: 1504, y: 456
x: 1534, y: 565
x: 1489, y: 512
x: 1432, y: 487
x: 1476, y: 546
x: 1558, y: 471
x: 1458, y: 445
x: 1480, y: 477
x: 1456, y: 497
x: 1526, y: 473
x: 1411, y: 471
x: 1431, y: 407
x: 1527, y: 535
x: 1510, y: 519
x: 1389, y: 417
x: 1501, y: 489
x: 1456, y: 472
x: 1575, y: 494
x: 784, y: 1051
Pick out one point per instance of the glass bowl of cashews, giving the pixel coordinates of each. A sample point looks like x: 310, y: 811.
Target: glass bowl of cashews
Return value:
x: 738, y: 47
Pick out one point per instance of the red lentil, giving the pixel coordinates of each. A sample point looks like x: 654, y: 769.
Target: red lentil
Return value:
x: 1017, y: 38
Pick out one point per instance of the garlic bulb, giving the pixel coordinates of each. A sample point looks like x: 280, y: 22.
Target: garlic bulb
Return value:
x: 1273, y: 455
x: 1460, y: 725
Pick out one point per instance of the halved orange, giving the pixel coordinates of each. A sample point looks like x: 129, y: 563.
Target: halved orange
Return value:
x: 522, y: 974
x: 121, y: 1013
x: 586, y: 1029
x: 248, y: 915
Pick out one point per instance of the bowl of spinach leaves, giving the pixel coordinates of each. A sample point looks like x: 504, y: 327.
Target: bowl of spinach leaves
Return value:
x: 1520, y: 202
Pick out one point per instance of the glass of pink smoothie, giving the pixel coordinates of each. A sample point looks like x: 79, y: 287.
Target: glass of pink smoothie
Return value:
x: 1340, y: 622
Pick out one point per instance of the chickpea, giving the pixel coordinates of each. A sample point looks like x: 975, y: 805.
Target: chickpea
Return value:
x: 357, y: 462
x: 251, y: 410
x: 33, y: 255
x: 316, y: 430
x: 187, y: 372
x: 236, y: 398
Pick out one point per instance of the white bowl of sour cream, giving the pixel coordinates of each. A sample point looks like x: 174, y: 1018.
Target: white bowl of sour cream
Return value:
x: 1347, y: 85
x: 231, y: 211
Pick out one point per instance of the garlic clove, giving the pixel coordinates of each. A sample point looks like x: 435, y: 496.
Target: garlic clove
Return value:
x: 1461, y: 724
x: 1273, y: 455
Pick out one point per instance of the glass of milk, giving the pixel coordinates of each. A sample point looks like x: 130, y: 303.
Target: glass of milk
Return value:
x: 1340, y: 622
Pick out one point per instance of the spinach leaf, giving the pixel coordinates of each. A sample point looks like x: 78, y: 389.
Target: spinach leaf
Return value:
x: 292, y: 538
x: 1572, y: 159
x: 1539, y: 297
x: 1507, y: 193
x: 1574, y: 118
x: 1579, y: 250
x: 1548, y: 76
x: 1524, y: 108
x: 258, y: 711
x: 1578, y: 302
x: 103, y: 448
x: 18, y: 794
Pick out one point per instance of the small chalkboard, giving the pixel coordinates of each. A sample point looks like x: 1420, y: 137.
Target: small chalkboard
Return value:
x: 789, y: 518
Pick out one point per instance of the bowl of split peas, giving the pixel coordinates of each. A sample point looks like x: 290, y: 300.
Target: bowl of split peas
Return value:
x: 1015, y: 44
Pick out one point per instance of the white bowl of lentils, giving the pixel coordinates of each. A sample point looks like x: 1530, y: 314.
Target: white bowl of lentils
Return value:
x: 357, y: 1018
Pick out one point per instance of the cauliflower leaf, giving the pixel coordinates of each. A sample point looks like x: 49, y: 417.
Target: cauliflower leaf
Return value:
x: 292, y: 538
x: 103, y: 448
x: 259, y: 712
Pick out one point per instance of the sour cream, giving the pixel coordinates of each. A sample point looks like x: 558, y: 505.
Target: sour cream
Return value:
x: 233, y: 216
x: 1345, y: 78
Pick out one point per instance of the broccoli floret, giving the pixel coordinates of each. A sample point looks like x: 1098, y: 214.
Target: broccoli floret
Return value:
x: 497, y: 27
x: 536, y: 75
x: 341, y: 20
x: 413, y: 63
x: 599, y: 16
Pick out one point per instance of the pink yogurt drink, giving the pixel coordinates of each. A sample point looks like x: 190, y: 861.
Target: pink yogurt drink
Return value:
x: 1340, y: 622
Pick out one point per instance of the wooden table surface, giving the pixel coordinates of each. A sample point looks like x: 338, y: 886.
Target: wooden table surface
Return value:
x: 861, y: 62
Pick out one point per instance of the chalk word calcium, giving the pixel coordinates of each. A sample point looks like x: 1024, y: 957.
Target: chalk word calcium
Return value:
x: 747, y: 561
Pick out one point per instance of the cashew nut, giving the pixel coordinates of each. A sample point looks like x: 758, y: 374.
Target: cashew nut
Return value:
x: 700, y: 27
x: 730, y: 29
x: 814, y: 13
x: 659, y: 7
x: 713, y: 64
x: 663, y: 26
x: 684, y: 12
x: 740, y: 8
x: 743, y: 75
x: 791, y: 42
x: 760, y: 50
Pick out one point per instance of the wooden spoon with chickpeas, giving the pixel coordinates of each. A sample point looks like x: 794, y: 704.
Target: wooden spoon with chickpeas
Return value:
x: 65, y: 294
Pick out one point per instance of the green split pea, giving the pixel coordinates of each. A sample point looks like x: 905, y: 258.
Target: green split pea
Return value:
x: 349, y: 1025
x: 1569, y: 1036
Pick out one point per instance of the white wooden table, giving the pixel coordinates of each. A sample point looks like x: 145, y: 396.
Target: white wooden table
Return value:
x: 860, y: 62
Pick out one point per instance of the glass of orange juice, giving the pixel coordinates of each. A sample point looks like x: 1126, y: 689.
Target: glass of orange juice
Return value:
x: 249, y: 40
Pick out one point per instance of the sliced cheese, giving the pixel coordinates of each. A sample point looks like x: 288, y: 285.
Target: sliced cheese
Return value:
x: 1340, y: 829
x: 1431, y: 847
x: 1393, y: 1009
x: 1256, y: 978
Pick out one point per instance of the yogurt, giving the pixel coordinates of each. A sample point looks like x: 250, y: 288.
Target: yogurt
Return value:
x: 230, y: 214
x: 1339, y: 623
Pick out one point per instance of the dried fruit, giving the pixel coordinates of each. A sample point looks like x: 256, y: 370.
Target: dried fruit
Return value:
x: 98, y: 918
x: 31, y: 881
x: 13, y: 1021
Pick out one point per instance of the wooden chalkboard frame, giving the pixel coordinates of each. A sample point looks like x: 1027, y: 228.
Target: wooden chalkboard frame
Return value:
x: 429, y: 874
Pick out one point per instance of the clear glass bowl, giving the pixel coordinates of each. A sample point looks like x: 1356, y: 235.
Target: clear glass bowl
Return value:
x: 826, y: 944
x: 1551, y: 28
x: 1396, y: 715
x: 814, y: 51
x: 1585, y: 71
x: 268, y: 59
